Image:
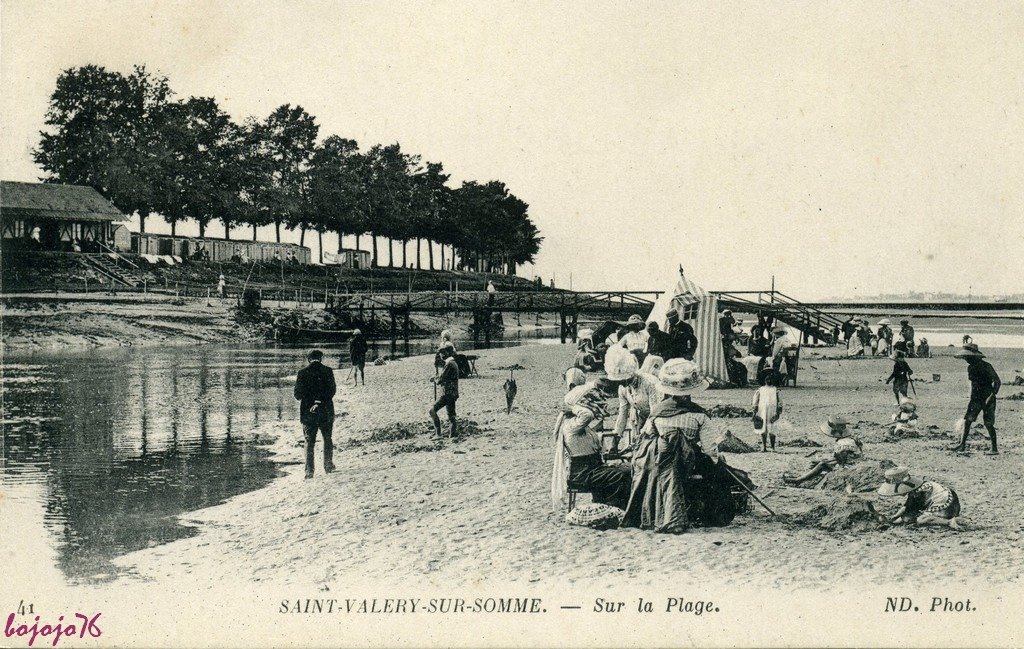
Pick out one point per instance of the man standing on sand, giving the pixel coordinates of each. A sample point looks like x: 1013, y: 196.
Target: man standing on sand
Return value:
x: 907, y: 333
x: 985, y: 385
x: 314, y: 389
x: 448, y: 379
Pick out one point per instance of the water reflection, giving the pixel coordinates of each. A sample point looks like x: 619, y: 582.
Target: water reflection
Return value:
x: 124, y: 440
x: 108, y: 446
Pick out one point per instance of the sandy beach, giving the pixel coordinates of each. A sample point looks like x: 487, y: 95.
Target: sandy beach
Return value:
x: 427, y: 513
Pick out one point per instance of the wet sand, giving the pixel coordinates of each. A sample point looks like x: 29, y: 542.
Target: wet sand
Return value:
x: 478, y: 511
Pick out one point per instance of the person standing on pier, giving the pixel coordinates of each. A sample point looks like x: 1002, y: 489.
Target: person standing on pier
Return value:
x: 448, y: 379
x: 985, y: 386
x: 314, y: 389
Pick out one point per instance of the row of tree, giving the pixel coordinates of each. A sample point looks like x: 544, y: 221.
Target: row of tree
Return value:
x: 186, y: 159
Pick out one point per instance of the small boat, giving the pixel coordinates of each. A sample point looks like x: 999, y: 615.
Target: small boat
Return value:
x: 292, y: 334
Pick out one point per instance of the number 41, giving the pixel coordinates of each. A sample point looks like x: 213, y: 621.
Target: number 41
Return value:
x: 26, y: 610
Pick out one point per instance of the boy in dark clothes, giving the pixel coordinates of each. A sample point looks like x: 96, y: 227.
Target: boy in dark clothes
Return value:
x: 985, y: 385
x: 900, y: 377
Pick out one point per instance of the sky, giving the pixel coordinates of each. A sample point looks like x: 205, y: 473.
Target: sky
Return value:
x: 848, y: 149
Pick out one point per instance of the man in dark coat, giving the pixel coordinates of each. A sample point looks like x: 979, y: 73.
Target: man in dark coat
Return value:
x: 314, y: 389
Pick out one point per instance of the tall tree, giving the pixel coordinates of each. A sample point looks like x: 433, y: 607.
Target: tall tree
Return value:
x: 335, y: 188
x: 387, y: 196
x: 290, y: 140
x: 204, y: 146
x: 104, y: 132
x: 430, y: 198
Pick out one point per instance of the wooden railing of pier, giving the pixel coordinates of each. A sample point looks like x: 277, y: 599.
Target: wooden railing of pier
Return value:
x: 569, y: 305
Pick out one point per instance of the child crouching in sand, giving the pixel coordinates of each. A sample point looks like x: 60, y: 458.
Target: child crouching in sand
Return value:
x: 928, y: 502
x: 767, y: 409
x: 905, y: 418
x: 847, y: 450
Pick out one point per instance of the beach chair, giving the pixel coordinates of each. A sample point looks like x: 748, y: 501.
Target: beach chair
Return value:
x: 791, y: 360
x: 571, y: 491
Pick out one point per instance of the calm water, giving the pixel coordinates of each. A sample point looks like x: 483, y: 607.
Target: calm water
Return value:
x: 103, y: 448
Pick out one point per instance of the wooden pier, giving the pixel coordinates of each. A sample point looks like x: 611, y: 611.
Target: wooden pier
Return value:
x: 569, y: 305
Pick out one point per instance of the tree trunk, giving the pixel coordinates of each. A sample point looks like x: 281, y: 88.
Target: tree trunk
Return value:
x: 405, y: 254
x: 419, y: 266
x: 174, y: 227
x: 442, y: 257
x: 142, y: 223
x: 374, y: 236
x: 339, y: 242
x: 320, y: 237
x: 277, y: 229
x: 302, y: 236
x: 357, y: 241
x: 202, y: 230
x: 391, y: 252
x: 430, y: 253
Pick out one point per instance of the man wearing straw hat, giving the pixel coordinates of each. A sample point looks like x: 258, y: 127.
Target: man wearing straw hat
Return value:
x: 985, y: 385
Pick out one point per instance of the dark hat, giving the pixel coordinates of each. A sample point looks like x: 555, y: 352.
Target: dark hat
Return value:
x: 970, y: 350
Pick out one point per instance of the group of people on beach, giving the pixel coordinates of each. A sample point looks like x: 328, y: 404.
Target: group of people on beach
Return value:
x: 862, y: 341
x: 666, y: 473
x: 665, y: 479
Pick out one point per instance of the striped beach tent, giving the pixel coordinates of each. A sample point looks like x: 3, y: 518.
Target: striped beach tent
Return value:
x: 690, y: 303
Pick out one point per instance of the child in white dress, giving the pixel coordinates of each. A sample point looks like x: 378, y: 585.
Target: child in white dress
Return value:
x: 767, y: 410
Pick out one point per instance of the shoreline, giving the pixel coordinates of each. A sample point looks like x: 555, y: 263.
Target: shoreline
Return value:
x: 460, y: 502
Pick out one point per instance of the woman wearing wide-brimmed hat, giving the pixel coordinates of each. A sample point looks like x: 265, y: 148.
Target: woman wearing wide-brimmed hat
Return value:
x: 633, y: 336
x: 846, y: 451
x: 578, y: 444
x: 884, y: 334
x: 928, y: 502
x: 663, y: 456
x: 586, y: 354
x: 985, y: 385
x: 669, y: 453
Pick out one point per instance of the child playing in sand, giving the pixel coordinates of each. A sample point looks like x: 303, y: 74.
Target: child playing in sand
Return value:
x: 905, y: 418
x: 767, y: 410
x: 846, y: 451
x: 928, y: 502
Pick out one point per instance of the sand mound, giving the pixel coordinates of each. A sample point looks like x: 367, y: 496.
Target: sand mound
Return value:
x: 729, y: 443
x: 800, y: 442
x: 860, y: 477
x: 898, y: 433
x: 414, y: 437
x: 1015, y: 397
x: 843, y: 514
x: 723, y: 410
